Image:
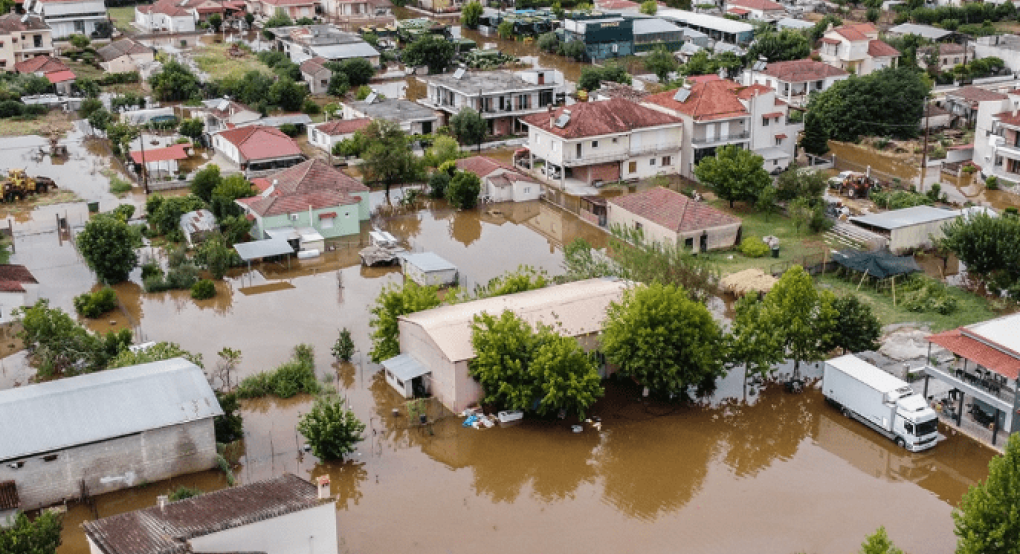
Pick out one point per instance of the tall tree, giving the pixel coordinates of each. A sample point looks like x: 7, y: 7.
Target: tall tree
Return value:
x: 205, y: 181
x: 879, y: 543
x: 816, y: 136
x: 331, y: 428
x: 468, y: 126
x: 463, y: 190
x: 387, y: 155
x: 751, y: 343
x: 663, y: 339
x: 108, y: 246
x: 858, y: 329
x: 801, y: 317
x: 661, y: 62
x: 430, y: 50
x: 192, y: 128
x: 785, y: 45
x: 988, y: 518
x: 174, y: 82
x: 359, y: 71
x: 888, y: 102
x: 216, y: 21
x: 471, y: 13
x: 988, y: 245
x: 38, y: 536
x: 799, y: 183
x: 392, y: 303
x: 734, y: 174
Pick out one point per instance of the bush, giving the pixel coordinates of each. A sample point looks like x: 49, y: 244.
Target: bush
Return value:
x: 343, y: 348
x: 289, y: 129
x: 921, y: 294
x: 95, y: 304
x: 310, y: 107
x: 119, y: 186
x: 288, y: 379
x: 183, y: 493
x: 331, y: 428
x: 754, y: 247
x: 992, y: 183
x: 151, y: 269
x: 203, y: 289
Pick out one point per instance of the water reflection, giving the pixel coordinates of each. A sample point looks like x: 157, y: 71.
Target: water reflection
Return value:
x: 466, y: 227
x: 345, y: 479
x: 769, y: 428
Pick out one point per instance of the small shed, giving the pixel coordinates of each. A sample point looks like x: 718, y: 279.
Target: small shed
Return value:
x: 407, y: 375
x: 908, y: 228
x: 197, y: 225
x: 310, y: 239
x: 427, y: 269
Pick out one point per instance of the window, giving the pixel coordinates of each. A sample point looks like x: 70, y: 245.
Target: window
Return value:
x: 765, y: 121
x: 651, y: 161
x: 632, y: 167
x: 37, y: 39
x: 637, y: 225
x: 527, y: 190
x: 594, y: 144
x: 779, y: 141
x: 14, y: 40
x: 775, y: 163
x: 956, y: 60
x: 326, y: 222
x: 615, y: 140
x: 49, y: 458
x: 667, y: 160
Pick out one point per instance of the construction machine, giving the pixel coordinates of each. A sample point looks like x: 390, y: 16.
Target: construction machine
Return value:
x: 17, y: 184
x: 853, y: 184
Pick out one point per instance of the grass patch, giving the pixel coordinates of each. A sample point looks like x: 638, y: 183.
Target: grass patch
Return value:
x: 213, y: 59
x: 54, y: 121
x: 122, y: 18
x: 118, y: 186
x: 793, y: 246
x: 290, y: 378
x: 970, y: 308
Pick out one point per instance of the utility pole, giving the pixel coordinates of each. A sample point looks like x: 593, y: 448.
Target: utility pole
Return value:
x: 924, y: 149
x: 145, y: 168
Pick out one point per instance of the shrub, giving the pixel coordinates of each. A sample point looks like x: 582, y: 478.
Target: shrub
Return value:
x: 95, y: 304
x: 331, y: 428
x: 203, y: 289
x: 119, y: 186
x: 343, y: 348
x: 290, y: 378
x: 992, y: 183
x: 753, y: 247
x: 310, y: 107
x: 927, y: 295
x: 151, y: 269
x: 289, y: 129
x: 183, y: 493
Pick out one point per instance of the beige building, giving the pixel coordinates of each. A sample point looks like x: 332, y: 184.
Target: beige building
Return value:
x: 667, y: 216
x: 436, y: 344
x: 908, y: 228
x: 125, y: 55
x: 857, y: 49
x: 23, y: 37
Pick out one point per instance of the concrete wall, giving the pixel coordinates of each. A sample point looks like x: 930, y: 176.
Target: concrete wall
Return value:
x: 346, y: 222
x: 718, y: 237
x: 114, y: 464
x: 442, y: 379
x: 916, y: 236
x: 227, y: 148
x: 311, y: 531
x: 127, y: 63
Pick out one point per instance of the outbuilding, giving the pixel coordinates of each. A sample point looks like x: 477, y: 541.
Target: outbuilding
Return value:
x: 107, y: 431
x: 197, y: 225
x: 663, y: 215
x: 428, y: 269
x: 908, y: 228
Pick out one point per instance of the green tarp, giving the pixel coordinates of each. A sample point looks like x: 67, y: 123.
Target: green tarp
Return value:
x: 880, y: 265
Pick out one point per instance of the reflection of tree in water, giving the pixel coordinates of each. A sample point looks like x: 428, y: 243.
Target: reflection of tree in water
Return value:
x: 344, y: 480
x: 553, y: 460
x: 404, y: 224
x: 772, y: 427
x: 129, y: 295
x: 345, y: 372
x: 466, y: 227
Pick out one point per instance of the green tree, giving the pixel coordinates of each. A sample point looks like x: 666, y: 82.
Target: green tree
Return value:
x: 816, y: 136
x: 88, y: 87
x: 215, y: 255
x: 192, y: 128
x: 343, y: 348
x: 443, y: 149
x: 649, y: 7
x: 205, y: 181
x: 990, y: 246
x: 387, y: 155
x: 331, y: 428
x: 359, y: 71
x: 470, y: 14
x: 463, y: 190
x: 287, y: 94
x: 785, y: 45
x: 665, y: 340
x: 59, y: 346
x: 750, y: 343
x: 581, y: 261
x: 766, y: 201
x: 879, y: 543
x: 155, y: 353
x: 338, y: 84
x: 216, y: 21
x: 226, y: 192
x: 873, y: 14
x: 228, y: 427
x: 859, y: 328
x: 797, y: 183
x: 988, y: 518
x: 557, y: 10
x: 734, y: 174
x: 438, y: 182
x: 525, y: 278
x: 661, y: 62
x: 593, y: 77
x: 174, y: 82
x: 468, y: 126
x: 100, y: 119
x: 38, y: 536
x: 430, y: 50
x: 888, y: 102
x: 80, y: 42
x: 249, y: 18
x: 645, y: 261
x: 505, y: 29
x: 568, y: 378
x: 573, y: 49
x: 392, y: 303
x: 108, y: 247
x: 800, y: 316
x: 548, y: 42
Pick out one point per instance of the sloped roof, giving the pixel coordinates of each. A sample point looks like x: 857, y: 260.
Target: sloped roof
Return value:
x: 976, y: 94
x: 878, y: 49
x: 99, y: 406
x: 855, y: 32
x: 312, y: 66
x: 122, y: 47
x: 175, y: 152
x: 950, y: 48
x: 992, y: 344
x: 40, y: 64
x: 708, y: 100
x: 799, y: 71
x: 290, y: 2
x: 13, y: 277
x: 343, y: 126
x: 259, y: 142
x: 167, y: 530
x: 751, y: 91
x: 616, y: 4
x: 673, y: 210
x: 310, y: 176
x: 611, y: 89
x: 483, y: 166
x: 60, y: 76
x: 762, y: 5
x: 171, y: 8
x: 300, y: 202
x: 11, y: 22
x: 591, y: 119
x: 573, y: 309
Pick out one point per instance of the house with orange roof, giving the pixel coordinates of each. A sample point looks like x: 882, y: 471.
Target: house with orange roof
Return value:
x: 996, y: 129
x: 54, y: 70
x: 721, y: 112
x: 22, y: 38
x: 601, y: 142
x: 666, y: 216
x: 500, y: 182
x: 311, y: 195
x: 760, y: 10
x: 325, y: 136
x: 795, y: 80
x: 257, y: 149
x: 856, y: 48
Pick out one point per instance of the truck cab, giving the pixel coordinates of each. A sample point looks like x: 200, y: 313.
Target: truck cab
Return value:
x: 916, y: 426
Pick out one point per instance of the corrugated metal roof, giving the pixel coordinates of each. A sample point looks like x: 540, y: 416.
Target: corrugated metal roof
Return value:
x: 99, y: 406
x: 263, y: 249
x: 925, y: 31
x: 1001, y: 331
x: 427, y: 261
x: 405, y: 367
x: 648, y: 25
x: 344, y: 51
x: 906, y: 217
x: 572, y: 309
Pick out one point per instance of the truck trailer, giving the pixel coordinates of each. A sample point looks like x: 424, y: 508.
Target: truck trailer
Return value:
x: 880, y: 401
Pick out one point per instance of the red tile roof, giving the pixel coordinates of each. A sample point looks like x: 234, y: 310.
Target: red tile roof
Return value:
x: 290, y: 2
x: 344, y: 126
x: 60, y: 76
x: 311, y: 176
x: 751, y: 91
x: 799, y: 71
x: 483, y: 166
x: 592, y: 119
x: 976, y: 351
x: 709, y: 100
x: 703, y: 78
x: 976, y: 94
x: 737, y: 11
x: 827, y: 40
x: 13, y: 276
x: 40, y: 64
x: 673, y: 210
x: 175, y: 152
x: 257, y: 142
x: 763, y: 5
x: 857, y: 32
x: 296, y: 203
x: 171, y: 8
x: 16, y: 22
x: 773, y: 115
x: 1006, y: 117
x: 9, y: 496
x: 878, y: 49
x: 616, y: 4
x: 312, y: 66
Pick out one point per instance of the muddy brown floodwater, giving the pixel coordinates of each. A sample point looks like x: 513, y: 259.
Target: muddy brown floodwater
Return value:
x: 761, y: 471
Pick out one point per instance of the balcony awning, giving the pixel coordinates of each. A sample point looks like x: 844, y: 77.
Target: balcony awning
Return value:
x: 978, y: 352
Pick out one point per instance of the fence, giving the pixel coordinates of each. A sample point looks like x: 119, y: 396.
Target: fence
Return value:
x: 814, y: 264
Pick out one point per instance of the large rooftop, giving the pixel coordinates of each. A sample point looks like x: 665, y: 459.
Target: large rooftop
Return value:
x: 99, y: 406
x: 673, y: 210
x: 394, y: 109
x: 593, y: 119
x: 705, y: 21
x: 473, y: 83
x: 906, y: 217
x: 923, y: 31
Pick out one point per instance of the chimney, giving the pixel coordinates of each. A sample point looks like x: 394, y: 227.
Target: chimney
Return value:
x: 552, y: 116
x: 323, y: 484
x: 162, y: 500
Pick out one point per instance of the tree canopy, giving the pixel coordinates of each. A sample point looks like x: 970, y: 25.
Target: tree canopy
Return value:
x: 649, y: 7
x: 36, y: 536
x: 387, y: 154
x: 988, y: 518
x: 665, y: 340
x: 468, y: 126
x: 751, y: 343
x: 471, y: 13
x: 331, y: 428
x: 734, y: 174
x: 815, y: 139
x: 108, y: 246
x: 888, y: 102
x: 430, y: 50
x: 990, y: 246
x: 593, y: 77
x: 174, y: 82
x: 661, y: 62
x: 785, y: 45
x: 463, y: 190
x: 392, y: 303
x: 800, y: 316
x: 858, y: 327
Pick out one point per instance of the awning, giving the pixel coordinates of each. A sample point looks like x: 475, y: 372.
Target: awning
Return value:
x: 978, y: 352
x: 781, y: 136
x: 263, y: 249
x: 405, y: 367
x: 772, y: 153
x: 60, y: 76
x: 327, y: 215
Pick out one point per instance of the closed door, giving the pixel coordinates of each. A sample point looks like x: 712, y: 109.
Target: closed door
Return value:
x: 724, y: 129
x: 709, y: 132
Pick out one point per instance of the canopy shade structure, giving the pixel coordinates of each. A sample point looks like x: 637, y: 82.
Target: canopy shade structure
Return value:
x: 880, y: 265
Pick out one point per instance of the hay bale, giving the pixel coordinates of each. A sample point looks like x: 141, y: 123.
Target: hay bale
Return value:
x: 748, y: 281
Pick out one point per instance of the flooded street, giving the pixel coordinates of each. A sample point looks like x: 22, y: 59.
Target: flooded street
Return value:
x: 752, y: 470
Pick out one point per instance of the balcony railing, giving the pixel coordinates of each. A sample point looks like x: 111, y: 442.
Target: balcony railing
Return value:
x: 589, y: 158
x: 732, y: 137
x: 989, y: 388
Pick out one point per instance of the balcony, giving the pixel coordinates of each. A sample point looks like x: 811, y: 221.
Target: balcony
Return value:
x: 987, y: 387
x: 721, y: 139
x: 666, y: 149
x: 589, y: 158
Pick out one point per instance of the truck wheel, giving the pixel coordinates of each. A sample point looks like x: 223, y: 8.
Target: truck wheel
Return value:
x: 846, y: 412
x: 900, y: 443
x: 850, y: 193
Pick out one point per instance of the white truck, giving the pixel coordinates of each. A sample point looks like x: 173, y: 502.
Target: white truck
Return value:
x: 880, y: 401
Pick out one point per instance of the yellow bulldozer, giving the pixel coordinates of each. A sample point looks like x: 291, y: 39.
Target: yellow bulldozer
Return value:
x: 17, y: 184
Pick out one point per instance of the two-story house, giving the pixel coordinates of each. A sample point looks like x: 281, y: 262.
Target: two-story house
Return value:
x: 857, y: 49
x: 964, y: 104
x: 413, y: 118
x: 23, y: 37
x: 943, y: 57
x: 795, y: 80
x: 361, y: 9
x: 295, y: 9
x: 997, y: 136
x: 759, y: 10
x: 602, y: 142
x: 501, y: 97
x: 165, y: 16
x: 70, y: 17
x: 305, y: 42
x: 719, y: 112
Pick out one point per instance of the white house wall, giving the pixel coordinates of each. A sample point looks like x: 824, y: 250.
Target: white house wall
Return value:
x: 311, y: 531
x: 227, y: 148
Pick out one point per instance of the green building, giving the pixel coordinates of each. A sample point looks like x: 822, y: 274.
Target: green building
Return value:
x: 651, y: 33
x: 604, y: 36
